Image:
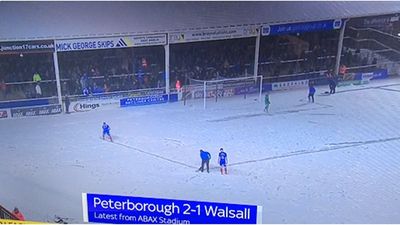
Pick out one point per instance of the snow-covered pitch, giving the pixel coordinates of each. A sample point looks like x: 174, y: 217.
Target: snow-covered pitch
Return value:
x: 334, y: 161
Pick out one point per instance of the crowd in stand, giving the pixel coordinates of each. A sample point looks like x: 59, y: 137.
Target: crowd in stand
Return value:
x: 102, y: 71
x: 212, y: 60
x: 297, y: 53
x: 94, y: 72
x: 26, y: 76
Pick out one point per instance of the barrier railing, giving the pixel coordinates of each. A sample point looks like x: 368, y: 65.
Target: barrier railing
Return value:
x: 386, y: 39
x: 26, y: 90
x: 28, y: 102
x: 392, y: 67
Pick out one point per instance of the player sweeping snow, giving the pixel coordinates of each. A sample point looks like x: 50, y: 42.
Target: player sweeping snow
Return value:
x: 205, y: 160
x: 106, y: 131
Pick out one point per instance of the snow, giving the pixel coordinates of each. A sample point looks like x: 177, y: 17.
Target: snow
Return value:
x: 332, y: 161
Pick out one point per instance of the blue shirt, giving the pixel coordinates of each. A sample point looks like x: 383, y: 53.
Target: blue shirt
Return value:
x: 205, y: 155
x: 85, y: 91
x: 311, y: 90
x: 97, y: 90
x: 222, y: 157
x: 106, y: 128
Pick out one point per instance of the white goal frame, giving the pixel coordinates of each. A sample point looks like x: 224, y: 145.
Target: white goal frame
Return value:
x: 205, y: 82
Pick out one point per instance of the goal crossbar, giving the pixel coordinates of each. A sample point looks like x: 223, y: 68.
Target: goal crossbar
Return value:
x: 227, y: 79
x: 205, y: 82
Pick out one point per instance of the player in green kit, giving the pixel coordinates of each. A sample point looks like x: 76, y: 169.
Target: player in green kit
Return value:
x: 267, y: 103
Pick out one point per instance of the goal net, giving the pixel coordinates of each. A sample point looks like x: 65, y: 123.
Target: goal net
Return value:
x: 214, y: 91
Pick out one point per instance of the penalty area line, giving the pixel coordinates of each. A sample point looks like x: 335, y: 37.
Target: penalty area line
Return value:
x: 152, y: 154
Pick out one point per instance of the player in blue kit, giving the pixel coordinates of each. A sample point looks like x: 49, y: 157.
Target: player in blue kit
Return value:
x: 106, y: 131
x: 223, y: 160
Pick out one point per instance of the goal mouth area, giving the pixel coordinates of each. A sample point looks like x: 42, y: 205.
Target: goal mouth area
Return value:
x: 216, y: 89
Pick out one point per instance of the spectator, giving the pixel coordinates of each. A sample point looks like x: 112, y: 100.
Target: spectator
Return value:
x: 97, y: 89
x: 106, y: 88
x: 67, y: 103
x: 144, y: 63
x: 38, y: 90
x: 146, y: 81
x: 85, y: 92
x: 18, y: 69
x: 3, y: 89
x: 84, y: 81
x: 18, y: 214
x: 178, y: 85
x: 65, y: 88
x: 140, y: 75
x: 36, y: 77
x: 364, y: 61
x: 329, y: 77
x: 94, y: 72
x: 343, y: 71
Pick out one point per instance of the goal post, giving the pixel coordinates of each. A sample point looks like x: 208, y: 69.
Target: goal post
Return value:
x: 224, y: 88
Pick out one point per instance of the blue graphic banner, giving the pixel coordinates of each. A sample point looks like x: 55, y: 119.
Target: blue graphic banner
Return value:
x: 251, y: 89
x: 144, y: 100
x: 173, y: 97
x: 25, y: 103
x: 376, y: 74
x: 281, y: 29
x: 115, y: 209
x: 266, y: 87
